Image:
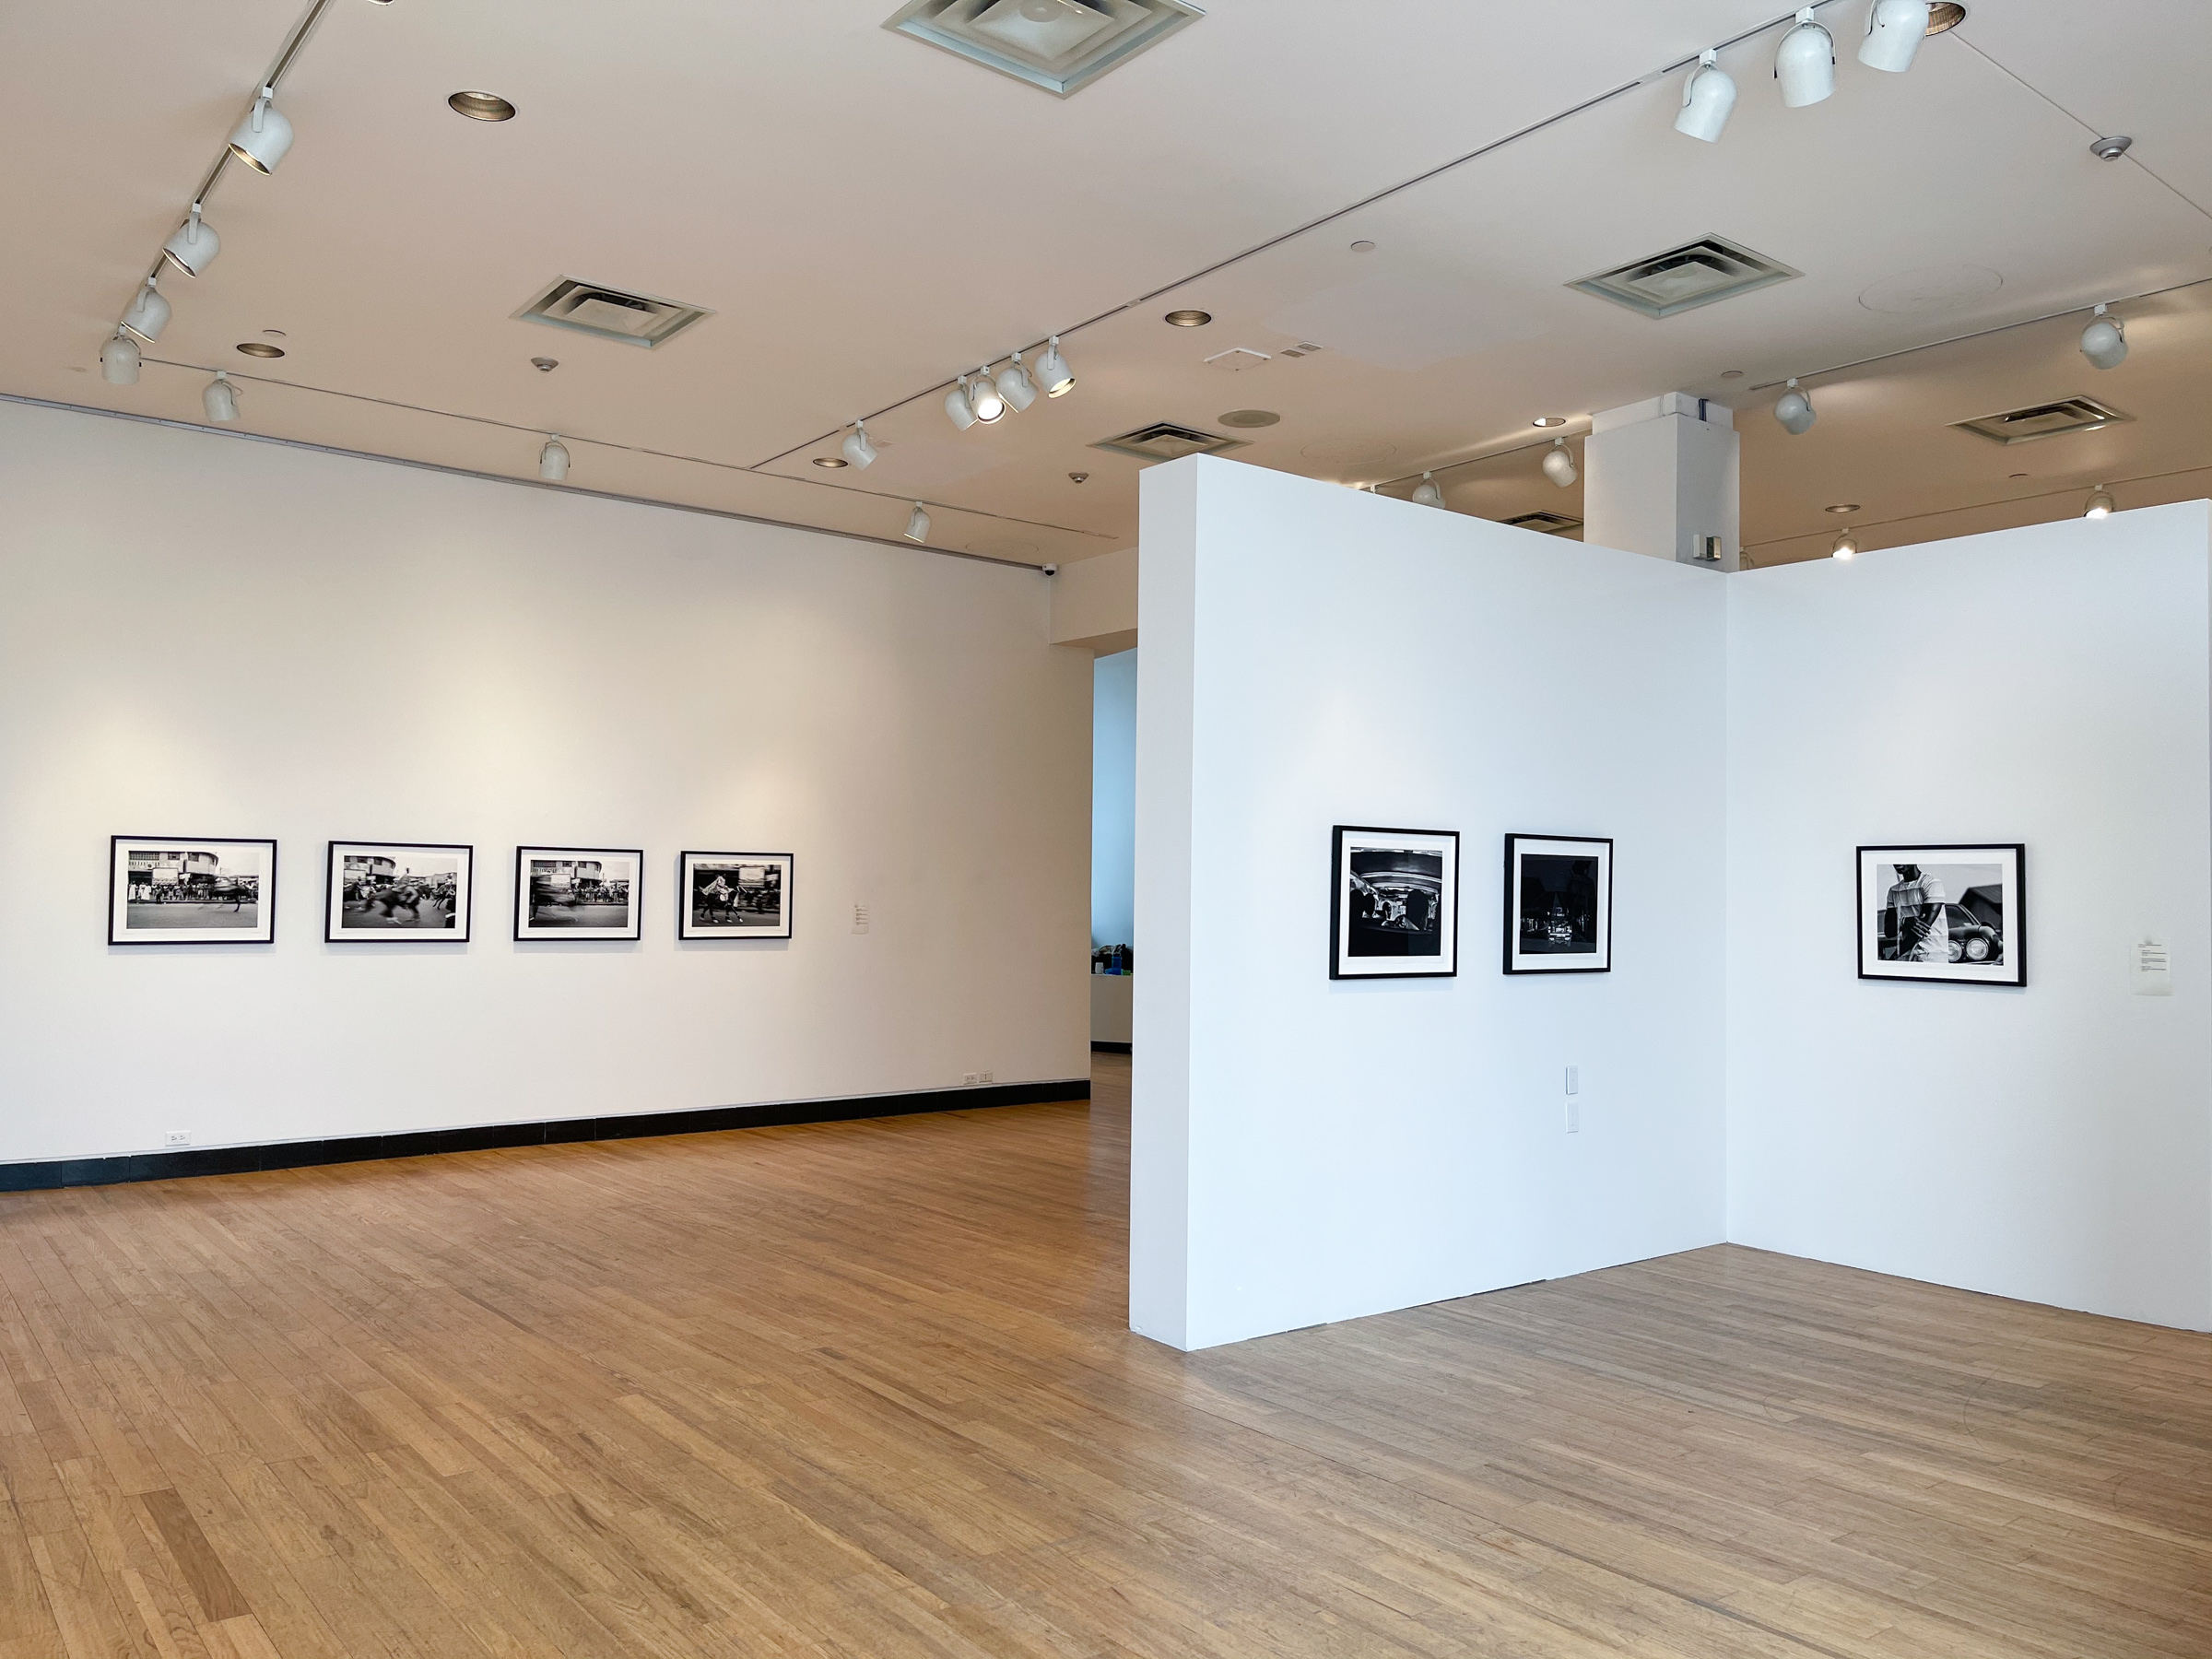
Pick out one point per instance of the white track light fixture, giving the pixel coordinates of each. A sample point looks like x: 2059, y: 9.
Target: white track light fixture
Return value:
x: 957, y: 409
x: 1846, y: 547
x: 1426, y: 492
x: 220, y: 398
x: 1052, y: 373
x: 857, y: 448
x: 2102, y: 504
x: 1708, y: 98
x: 983, y: 398
x: 149, y: 314
x: 1796, y: 412
x: 2104, y: 341
x: 553, y: 461
x: 1558, y: 464
x: 917, y: 524
x: 1806, y: 63
x: 192, y: 249
x: 264, y: 137
x: 1016, y: 386
x: 119, y: 361
x: 1894, y: 31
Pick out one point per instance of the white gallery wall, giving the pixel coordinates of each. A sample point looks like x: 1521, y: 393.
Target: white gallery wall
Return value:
x: 2050, y: 686
x: 1308, y: 1149
x: 205, y: 636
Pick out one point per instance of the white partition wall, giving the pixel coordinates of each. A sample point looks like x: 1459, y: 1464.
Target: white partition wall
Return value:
x: 1309, y: 1150
x: 2048, y: 685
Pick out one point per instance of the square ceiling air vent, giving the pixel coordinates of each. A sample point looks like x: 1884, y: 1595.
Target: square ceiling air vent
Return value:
x: 1164, y: 440
x: 1545, y: 524
x: 1061, y: 45
x: 610, y: 313
x: 2044, y: 421
x: 1683, y: 278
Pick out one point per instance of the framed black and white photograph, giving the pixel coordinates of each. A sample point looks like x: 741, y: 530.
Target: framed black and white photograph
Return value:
x: 577, y: 892
x: 384, y: 892
x: 1944, y: 915
x: 734, y: 896
x: 1394, y: 903
x: 1559, y: 904
x: 165, y: 889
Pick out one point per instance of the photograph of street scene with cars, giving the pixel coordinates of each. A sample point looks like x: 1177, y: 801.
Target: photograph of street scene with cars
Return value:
x: 1948, y: 913
x: 190, y: 892
x: 1558, y: 901
x: 1396, y: 903
x: 736, y: 895
x: 380, y: 891
x: 574, y: 892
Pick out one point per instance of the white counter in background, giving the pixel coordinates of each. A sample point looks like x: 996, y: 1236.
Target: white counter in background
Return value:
x: 1109, y: 1006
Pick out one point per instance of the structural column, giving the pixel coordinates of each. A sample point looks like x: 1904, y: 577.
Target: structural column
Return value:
x: 1663, y: 477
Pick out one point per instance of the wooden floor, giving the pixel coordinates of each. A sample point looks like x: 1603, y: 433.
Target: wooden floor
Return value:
x: 865, y: 1390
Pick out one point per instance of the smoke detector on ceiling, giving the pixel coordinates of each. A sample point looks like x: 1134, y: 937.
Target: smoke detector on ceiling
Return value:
x: 610, y: 313
x: 1061, y: 45
x: 1683, y: 278
x: 1164, y: 440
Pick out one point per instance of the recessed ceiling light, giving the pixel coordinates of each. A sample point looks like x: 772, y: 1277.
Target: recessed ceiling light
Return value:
x: 1731, y: 374
x: 481, y: 106
x: 1844, y: 507
x: 1363, y: 247
x: 274, y: 334
x: 1189, y: 318
x: 2019, y: 475
x: 1250, y: 417
x: 1078, y: 477
x: 544, y: 365
x: 832, y: 462
x: 1548, y: 420
x: 260, y: 348
x: 1944, y: 15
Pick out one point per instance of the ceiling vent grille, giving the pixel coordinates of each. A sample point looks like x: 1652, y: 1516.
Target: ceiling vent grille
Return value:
x: 610, y: 313
x: 1698, y: 273
x: 1164, y: 440
x: 1547, y: 523
x: 2044, y: 421
x: 1061, y: 45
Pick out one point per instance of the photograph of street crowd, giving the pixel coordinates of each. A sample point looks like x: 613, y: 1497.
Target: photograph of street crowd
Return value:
x: 1395, y: 911
x: 735, y: 896
x: 382, y: 891
x: 576, y: 892
x: 167, y: 891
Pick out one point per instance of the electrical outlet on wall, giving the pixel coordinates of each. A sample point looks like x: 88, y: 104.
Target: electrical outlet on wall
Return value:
x: 989, y: 1077
x: 972, y: 1079
x: 1575, y: 1116
x: 177, y: 1137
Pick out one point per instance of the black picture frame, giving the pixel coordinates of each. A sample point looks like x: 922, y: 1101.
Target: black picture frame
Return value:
x: 1518, y: 961
x: 462, y: 909
x: 692, y: 932
x: 120, y: 932
x: 1346, y: 961
x: 526, y: 933
x: 1973, y: 920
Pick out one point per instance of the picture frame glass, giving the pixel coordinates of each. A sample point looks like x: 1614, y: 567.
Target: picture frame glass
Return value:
x: 577, y: 892
x: 186, y: 890
x: 1395, y: 903
x: 387, y: 892
x: 1559, y: 904
x: 735, y: 896
x: 1943, y: 914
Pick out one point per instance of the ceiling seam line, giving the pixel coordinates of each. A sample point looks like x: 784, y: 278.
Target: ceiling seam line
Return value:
x: 898, y: 545
x: 1327, y: 218
x: 509, y: 425
x: 1913, y: 518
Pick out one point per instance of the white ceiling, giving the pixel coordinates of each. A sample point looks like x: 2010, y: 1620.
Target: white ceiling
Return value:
x: 867, y: 217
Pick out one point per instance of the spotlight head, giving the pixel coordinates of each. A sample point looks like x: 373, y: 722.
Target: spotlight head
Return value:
x: 1016, y: 386
x: 1796, y: 412
x: 194, y: 247
x: 1558, y: 464
x: 264, y: 136
x: 1806, y: 63
x: 2104, y: 341
x: 1894, y: 31
x: 220, y: 398
x: 1708, y: 99
x: 1427, y: 493
x: 957, y: 407
x: 149, y: 314
x: 119, y: 361
x: 2100, y: 504
x: 983, y: 398
x: 553, y: 461
x: 1052, y: 373
x: 857, y: 448
x: 1846, y: 547
x: 917, y: 524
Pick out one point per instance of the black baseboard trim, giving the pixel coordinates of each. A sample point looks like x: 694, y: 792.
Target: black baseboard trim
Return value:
x: 1107, y: 1048
x: 427, y: 1143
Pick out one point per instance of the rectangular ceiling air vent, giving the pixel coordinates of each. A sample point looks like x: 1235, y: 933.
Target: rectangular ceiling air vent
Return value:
x: 610, y: 313
x: 1061, y: 45
x: 1164, y: 440
x: 2044, y: 421
x: 1683, y: 278
x: 1545, y: 524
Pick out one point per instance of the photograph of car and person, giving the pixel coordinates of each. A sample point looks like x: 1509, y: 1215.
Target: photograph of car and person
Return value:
x: 1942, y: 913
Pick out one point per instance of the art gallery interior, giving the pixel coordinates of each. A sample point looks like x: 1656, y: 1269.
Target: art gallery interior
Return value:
x: 1073, y: 828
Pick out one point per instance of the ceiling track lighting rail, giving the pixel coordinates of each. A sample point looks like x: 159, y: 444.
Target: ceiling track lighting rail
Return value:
x: 2071, y: 492
x: 1547, y: 443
